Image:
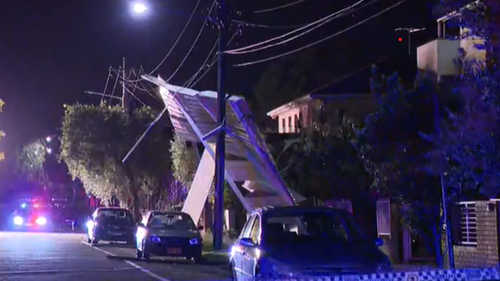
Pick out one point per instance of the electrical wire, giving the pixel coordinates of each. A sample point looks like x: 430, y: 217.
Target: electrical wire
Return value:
x: 268, y: 26
x: 279, y: 7
x: 175, y: 43
x: 321, y: 40
x: 194, y: 43
x: 319, y: 22
x: 209, y: 67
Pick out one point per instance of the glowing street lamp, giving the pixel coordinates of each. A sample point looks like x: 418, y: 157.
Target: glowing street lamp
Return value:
x: 49, y: 150
x: 140, y: 8
x: 48, y: 139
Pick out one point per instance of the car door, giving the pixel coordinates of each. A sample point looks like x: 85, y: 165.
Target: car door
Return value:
x: 251, y: 254
x: 238, y: 251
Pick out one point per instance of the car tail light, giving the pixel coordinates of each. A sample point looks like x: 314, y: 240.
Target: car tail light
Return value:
x: 41, y: 221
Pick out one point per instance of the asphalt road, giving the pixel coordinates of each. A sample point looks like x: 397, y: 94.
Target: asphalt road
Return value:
x: 59, y: 256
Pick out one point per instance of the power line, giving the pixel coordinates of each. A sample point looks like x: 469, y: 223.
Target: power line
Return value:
x: 175, y: 43
x: 279, y: 7
x: 301, y: 34
x: 319, y: 23
x: 321, y: 40
x: 269, y: 26
x: 194, y: 43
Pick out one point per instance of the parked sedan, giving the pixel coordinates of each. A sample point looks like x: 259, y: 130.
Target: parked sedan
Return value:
x: 289, y: 242
x: 171, y: 234
x: 111, y: 224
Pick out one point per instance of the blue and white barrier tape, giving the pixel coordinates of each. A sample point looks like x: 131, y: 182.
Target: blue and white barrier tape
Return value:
x: 487, y: 274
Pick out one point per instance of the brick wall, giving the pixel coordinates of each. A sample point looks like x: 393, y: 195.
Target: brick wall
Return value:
x: 486, y: 252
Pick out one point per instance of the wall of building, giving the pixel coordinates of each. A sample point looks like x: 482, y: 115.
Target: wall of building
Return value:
x: 485, y: 253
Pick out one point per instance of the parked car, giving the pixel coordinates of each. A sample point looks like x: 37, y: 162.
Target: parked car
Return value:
x: 169, y: 234
x: 111, y: 224
x: 288, y: 242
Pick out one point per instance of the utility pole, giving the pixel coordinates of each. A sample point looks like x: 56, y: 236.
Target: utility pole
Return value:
x: 409, y: 31
x: 449, y: 245
x: 220, y: 152
x: 124, y: 91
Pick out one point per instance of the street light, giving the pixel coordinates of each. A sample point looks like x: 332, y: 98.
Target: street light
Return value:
x: 140, y: 8
x: 48, y: 139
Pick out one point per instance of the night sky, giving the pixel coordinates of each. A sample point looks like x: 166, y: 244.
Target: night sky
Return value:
x: 51, y: 51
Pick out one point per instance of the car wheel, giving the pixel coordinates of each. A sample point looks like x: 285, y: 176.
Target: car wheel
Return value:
x: 138, y: 254
x: 234, y: 275
x: 145, y: 252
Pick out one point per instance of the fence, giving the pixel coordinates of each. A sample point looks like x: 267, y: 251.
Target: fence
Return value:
x: 431, y: 275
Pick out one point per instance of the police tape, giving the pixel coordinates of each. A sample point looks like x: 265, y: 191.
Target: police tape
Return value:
x: 485, y: 274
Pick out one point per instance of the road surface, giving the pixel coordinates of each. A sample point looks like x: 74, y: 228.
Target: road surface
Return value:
x: 59, y: 256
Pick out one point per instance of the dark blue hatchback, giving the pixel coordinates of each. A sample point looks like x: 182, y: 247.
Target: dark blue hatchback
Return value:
x: 306, y: 242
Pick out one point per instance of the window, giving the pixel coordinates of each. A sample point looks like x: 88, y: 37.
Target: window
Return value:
x: 289, y: 124
x: 384, y: 217
x: 297, y: 123
x: 311, y: 229
x: 283, y: 124
x: 245, y: 233
x: 468, y: 224
x: 255, y: 233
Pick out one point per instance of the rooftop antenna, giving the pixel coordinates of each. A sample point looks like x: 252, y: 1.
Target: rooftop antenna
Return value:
x: 409, y: 31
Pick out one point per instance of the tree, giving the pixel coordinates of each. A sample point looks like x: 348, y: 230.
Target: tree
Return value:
x: 395, y: 151
x: 185, y: 162
x: 2, y: 134
x: 30, y: 162
x: 94, y: 141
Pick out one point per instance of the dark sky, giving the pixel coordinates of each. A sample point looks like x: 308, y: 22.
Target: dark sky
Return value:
x: 51, y: 51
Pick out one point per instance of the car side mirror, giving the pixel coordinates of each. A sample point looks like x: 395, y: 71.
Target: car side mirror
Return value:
x: 247, y: 242
x: 379, y: 242
x: 200, y: 228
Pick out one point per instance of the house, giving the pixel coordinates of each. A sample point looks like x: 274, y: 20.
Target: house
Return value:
x: 306, y: 111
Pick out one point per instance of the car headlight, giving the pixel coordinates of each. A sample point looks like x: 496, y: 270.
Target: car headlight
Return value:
x: 194, y: 241
x: 90, y: 224
x: 18, y: 220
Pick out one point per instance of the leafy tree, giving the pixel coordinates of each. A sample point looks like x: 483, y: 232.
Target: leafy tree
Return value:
x: 395, y: 152
x: 30, y: 162
x: 96, y: 138
x: 321, y: 158
x: 185, y: 162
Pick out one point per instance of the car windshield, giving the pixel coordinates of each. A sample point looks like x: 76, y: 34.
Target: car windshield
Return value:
x: 115, y: 216
x: 172, y: 222
x: 311, y: 227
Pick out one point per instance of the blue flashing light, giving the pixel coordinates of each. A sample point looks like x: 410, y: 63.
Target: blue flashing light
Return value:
x: 194, y: 241
x: 155, y: 239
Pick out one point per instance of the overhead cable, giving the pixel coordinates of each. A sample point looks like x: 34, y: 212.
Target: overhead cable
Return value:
x: 194, y: 43
x: 318, y: 24
x: 279, y: 7
x: 321, y: 40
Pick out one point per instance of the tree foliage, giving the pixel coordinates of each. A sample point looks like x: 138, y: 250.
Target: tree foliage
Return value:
x: 94, y: 141
x: 323, y: 163
x: 185, y: 162
x: 30, y: 162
